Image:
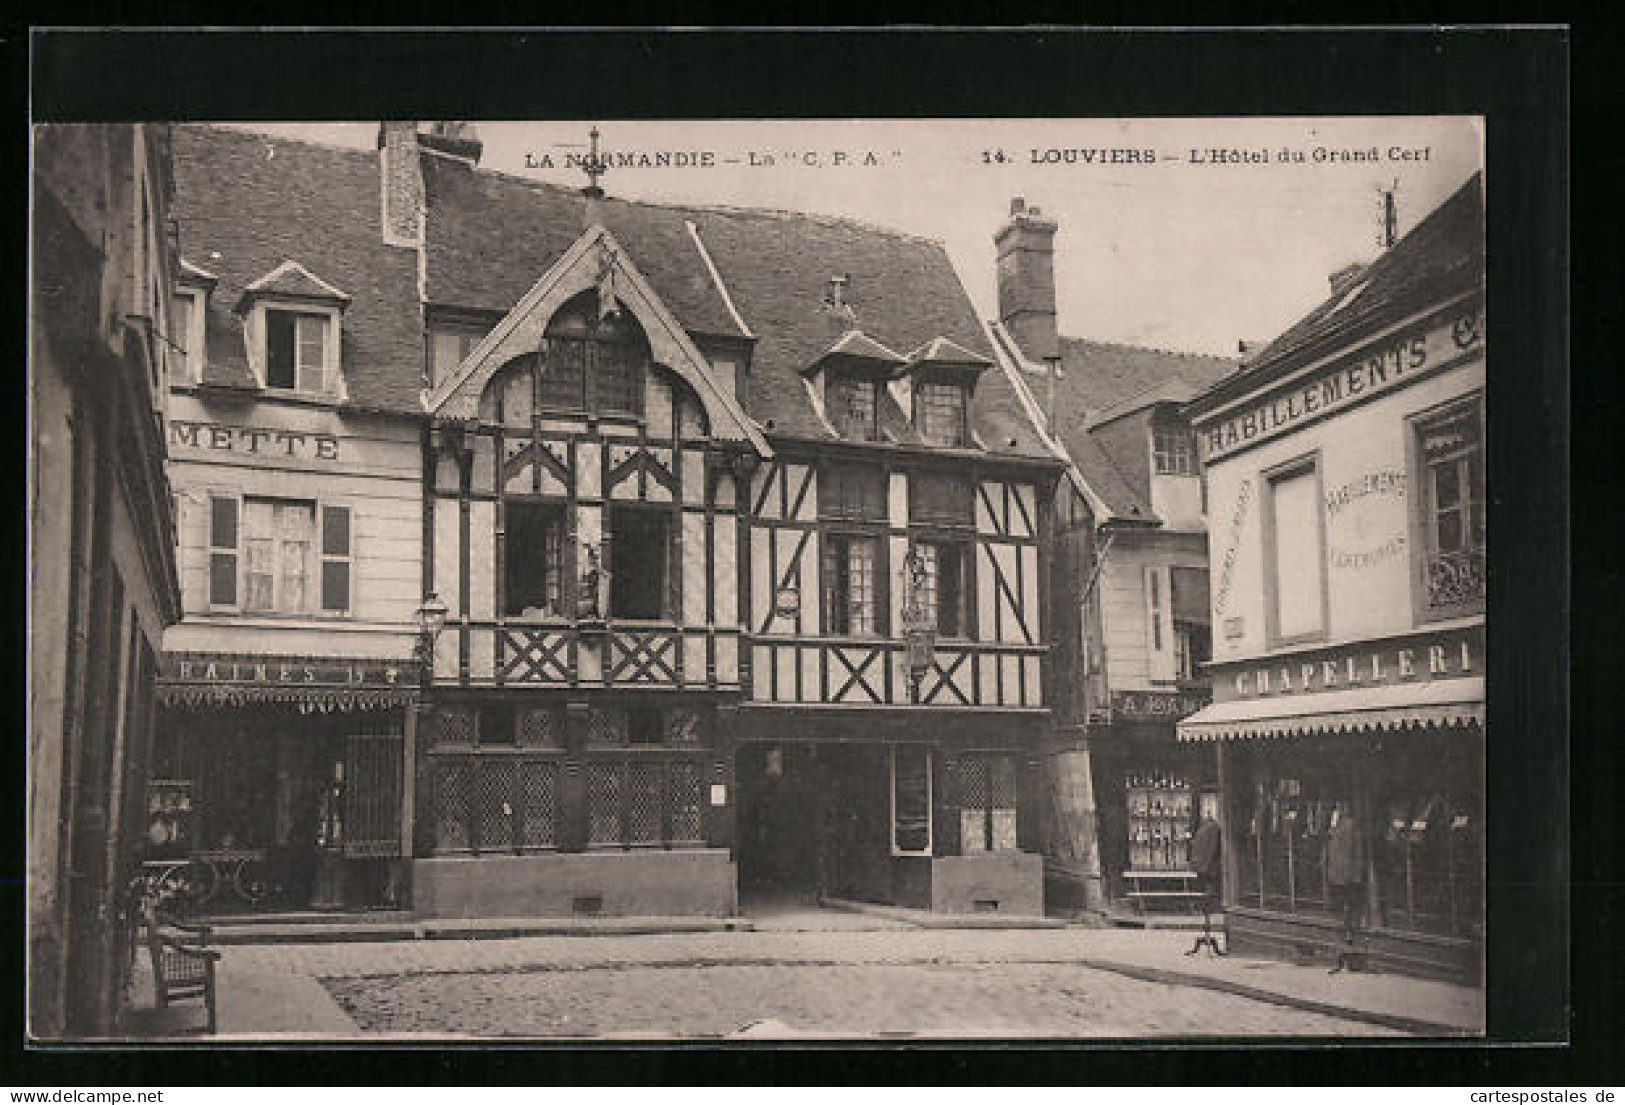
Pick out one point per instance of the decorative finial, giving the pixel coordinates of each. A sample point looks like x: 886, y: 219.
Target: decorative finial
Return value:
x: 594, y: 166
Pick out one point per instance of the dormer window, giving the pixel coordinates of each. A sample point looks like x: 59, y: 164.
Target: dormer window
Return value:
x: 939, y: 413
x: 292, y: 324
x: 853, y: 411
x: 187, y: 313
x: 1173, y: 451
x: 296, y: 351
x: 847, y: 377
x: 943, y: 372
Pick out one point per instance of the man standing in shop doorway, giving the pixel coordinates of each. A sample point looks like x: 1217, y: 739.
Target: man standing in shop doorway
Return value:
x: 1345, y: 878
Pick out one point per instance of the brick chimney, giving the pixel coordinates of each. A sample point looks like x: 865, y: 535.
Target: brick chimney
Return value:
x: 401, y: 184
x: 1025, y: 251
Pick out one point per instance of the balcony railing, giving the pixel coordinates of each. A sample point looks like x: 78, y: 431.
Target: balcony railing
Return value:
x: 1455, y: 579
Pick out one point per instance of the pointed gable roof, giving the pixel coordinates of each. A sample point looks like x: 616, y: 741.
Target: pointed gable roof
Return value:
x: 940, y: 350
x: 292, y: 279
x: 579, y: 269
x: 854, y: 346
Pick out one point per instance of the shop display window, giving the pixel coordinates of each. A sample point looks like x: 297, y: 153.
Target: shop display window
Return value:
x: 1428, y: 851
x: 1161, y: 809
x: 1292, y: 813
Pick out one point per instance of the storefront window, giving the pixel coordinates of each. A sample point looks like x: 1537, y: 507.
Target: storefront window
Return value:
x: 1428, y: 850
x: 1160, y: 811
x: 982, y: 793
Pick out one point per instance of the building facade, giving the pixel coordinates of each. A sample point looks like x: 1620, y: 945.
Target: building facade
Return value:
x: 101, y: 551
x: 741, y: 560
x: 1346, y: 489
x: 1130, y: 583
x: 282, y: 766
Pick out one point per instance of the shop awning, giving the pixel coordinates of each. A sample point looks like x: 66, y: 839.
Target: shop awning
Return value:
x: 311, y: 684
x: 1440, y: 702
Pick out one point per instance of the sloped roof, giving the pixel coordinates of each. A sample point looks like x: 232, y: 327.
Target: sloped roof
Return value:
x: 1442, y: 255
x: 947, y: 351
x: 1104, y: 378
x: 293, y: 279
x: 258, y: 201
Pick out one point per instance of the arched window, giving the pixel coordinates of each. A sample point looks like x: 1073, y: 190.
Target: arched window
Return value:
x: 593, y: 364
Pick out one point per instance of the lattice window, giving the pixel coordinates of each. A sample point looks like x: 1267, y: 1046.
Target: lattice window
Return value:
x: 493, y: 802
x: 539, y: 799
x: 683, y: 803
x: 540, y: 728
x: 605, y: 786
x: 454, y: 726
x: 983, y: 790
x: 850, y: 585
x: 850, y: 401
x: 606, y: 726
x: 643, y: 806
x: 450, y: 782
x: 940, y: 409
x: 683, y: 726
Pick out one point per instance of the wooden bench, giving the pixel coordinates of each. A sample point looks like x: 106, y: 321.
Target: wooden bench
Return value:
x: 182, y: 967
x: 1182, y: 882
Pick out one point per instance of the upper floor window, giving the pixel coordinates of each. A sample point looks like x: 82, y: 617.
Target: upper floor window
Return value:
x: 1295, y: 553
x: 592, y: 363
x: 270, y: 556
x: 851, y: 577
x: 939, y: 413
x: 533, y: 561
x: 1451, y: 500
x: 1174, y: 452
x: 449, y: 346
x: 297, y: 355
x: 851, y: 401
x: 945, y: 585
x: 640, y: 571
x: 186, y: 336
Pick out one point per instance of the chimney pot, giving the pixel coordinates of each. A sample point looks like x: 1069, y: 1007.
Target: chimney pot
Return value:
x: 1017, y: 205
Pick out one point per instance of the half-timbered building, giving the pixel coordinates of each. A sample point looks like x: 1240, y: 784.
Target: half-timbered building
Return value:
x: 740, y: 534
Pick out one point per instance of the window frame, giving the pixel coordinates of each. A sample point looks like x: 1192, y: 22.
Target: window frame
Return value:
x: 1422, y: 529
x: 841, y: 537
x: 1179, y: 461
x: 558, y: 511
x: 670, y: 603
x: 964, y: 548
x: 834, y: 381
x: 961, y: 435
x: 193, y: 351
x: 258, y: 335
x: 843, y: 474
x: 1278, y: 473
x: 471, y: 332
x: 278, y: 572
x: 930, y: 799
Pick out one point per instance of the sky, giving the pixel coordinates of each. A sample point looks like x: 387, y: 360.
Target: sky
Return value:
x: 1168, y: 244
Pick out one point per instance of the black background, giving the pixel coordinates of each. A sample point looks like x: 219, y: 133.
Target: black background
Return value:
x: 1543, y: 886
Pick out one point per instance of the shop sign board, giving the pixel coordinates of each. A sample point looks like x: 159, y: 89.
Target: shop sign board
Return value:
x: 1412, y: 659
x: 1157, y: 705
x: 1383, y: 367
x: 227, y: 669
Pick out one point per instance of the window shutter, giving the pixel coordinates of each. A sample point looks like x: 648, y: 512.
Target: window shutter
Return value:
x: 222, y: 551
x: 336, y: 558
x: 674, y: 566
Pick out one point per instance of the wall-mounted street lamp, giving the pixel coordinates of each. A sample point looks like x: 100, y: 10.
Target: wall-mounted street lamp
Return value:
x: 431, y: 620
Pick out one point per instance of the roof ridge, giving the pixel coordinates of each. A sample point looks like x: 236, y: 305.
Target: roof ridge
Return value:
x: 1151, y: 349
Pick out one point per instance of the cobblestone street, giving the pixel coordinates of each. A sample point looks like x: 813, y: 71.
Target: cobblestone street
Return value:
x: 768, y: 984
